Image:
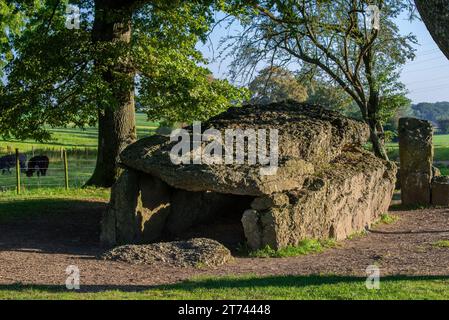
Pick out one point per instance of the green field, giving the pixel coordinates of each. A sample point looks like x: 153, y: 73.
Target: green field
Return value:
x: 440, y: 144
x: 73, y: 139
x: 81, y: 146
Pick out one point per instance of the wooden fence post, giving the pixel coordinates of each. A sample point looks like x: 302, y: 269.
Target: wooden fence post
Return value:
x: 17, y: 171
x: 66, y: 170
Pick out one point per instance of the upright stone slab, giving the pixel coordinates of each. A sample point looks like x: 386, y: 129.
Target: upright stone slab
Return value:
x: 416, y: 156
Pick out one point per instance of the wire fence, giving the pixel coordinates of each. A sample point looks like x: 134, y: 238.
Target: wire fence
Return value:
x: 65, y: 170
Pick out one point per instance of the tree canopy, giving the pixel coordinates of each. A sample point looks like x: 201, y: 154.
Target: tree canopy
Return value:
x: 54, y: 75
x: 274, y: 84
x: 337, y: 37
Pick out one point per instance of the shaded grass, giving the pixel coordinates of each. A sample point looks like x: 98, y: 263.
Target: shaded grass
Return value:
x: 251, y: 287
x: 46, y: 201
x: 303, y: 248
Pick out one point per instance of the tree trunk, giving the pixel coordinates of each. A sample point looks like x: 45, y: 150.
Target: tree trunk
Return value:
x: 435, y: 14
x: 377, y: 135
x: 376, y: 138
x: 116, y: 120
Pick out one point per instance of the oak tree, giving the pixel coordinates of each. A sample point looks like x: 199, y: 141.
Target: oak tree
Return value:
x: 123, y: 50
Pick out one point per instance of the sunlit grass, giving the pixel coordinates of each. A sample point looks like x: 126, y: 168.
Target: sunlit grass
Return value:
x: 441, y: 244
x: 81, y: 147
x: 252, y: 288
x: 307, y: 246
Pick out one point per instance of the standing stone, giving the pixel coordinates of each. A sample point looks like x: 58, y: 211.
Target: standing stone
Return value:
x: 153, y: 208
x: 118, y: 223
x: 252, y: 228
x: 416, y: 156
x: 139, y: 207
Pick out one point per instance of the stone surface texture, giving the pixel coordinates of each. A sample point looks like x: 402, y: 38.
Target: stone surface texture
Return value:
x: 198, y: 252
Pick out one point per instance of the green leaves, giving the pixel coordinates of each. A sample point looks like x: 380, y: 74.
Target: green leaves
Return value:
x: 55, y: 76
x: 274, y: 84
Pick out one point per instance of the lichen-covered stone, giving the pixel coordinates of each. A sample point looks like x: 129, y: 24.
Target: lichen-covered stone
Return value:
x: 137, y: 211
x: 197, y: 252
x: 153, y: 208
x: 345, y: 198
x: 119, y: 220
x: 308, y: 136
x: 416, y: 157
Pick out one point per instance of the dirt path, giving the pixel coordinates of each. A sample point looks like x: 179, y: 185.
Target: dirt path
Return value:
x: 38, y: 251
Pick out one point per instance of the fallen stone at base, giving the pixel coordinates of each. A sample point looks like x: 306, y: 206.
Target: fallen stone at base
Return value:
x: 196, y: 252
x: 440, y: 191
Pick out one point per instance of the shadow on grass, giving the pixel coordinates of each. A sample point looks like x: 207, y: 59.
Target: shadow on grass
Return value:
x: 226, y: 283
x: 32, y: 208
x: 51, y: 225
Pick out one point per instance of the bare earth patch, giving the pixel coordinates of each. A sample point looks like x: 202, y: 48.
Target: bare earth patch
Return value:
x: 38, y: 250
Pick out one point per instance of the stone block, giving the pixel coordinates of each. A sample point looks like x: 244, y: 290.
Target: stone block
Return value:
x: 440, y: 191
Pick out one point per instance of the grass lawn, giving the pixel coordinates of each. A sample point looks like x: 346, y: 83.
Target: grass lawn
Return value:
x: 251, y: 287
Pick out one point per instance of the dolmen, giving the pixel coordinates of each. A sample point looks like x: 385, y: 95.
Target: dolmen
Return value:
x: 294, y: 171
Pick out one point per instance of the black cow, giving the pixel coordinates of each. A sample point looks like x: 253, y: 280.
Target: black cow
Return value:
x: 9, y: 161
x: 38, y: 164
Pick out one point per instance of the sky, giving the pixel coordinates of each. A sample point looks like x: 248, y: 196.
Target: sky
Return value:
x: 426, y: 77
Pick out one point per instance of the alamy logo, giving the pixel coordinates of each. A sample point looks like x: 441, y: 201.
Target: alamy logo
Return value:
x: 190, y: 149
x: 373, y: 280
x: 73, y: 280
x: 72, y: 18
x: 373, y: 17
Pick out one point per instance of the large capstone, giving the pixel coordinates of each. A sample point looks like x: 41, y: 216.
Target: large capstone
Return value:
x: 325, y: 186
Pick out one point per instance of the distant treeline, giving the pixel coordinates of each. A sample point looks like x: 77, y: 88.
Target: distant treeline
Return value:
x: 437, y: 113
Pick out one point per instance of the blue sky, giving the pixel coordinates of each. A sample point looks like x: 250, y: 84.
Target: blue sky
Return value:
x: 426, y: 77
